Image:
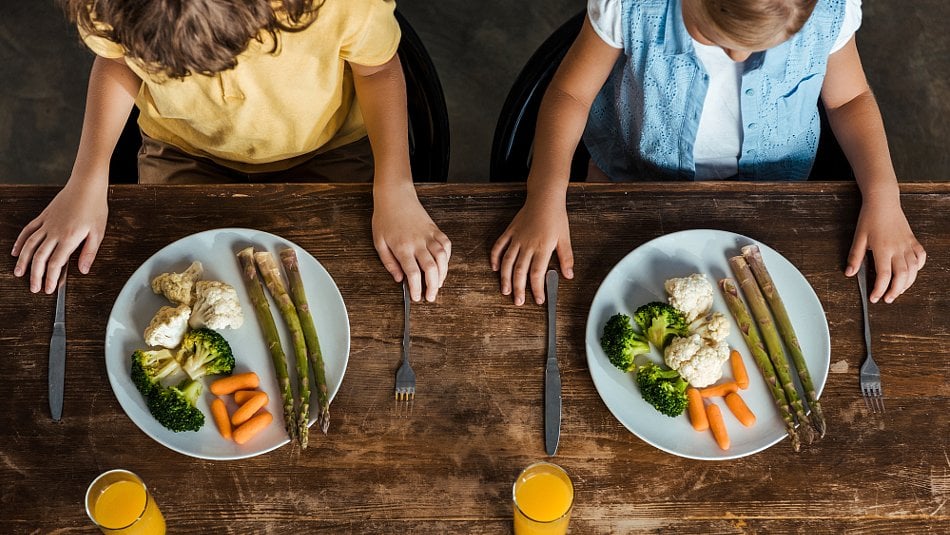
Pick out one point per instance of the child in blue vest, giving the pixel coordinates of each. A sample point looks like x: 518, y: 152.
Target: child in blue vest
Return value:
x: 708, y: 89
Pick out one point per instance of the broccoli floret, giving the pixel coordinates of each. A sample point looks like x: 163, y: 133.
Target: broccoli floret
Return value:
x: 622, y: 343
x: 174, y: 406
x: 661, y: 322
x: 149, y: 367
x: 664, y: 389
x: 205, y: 352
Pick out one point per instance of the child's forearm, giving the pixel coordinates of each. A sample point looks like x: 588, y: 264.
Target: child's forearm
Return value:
x: 109, y: 99
x: 381, y: 93
x: 562, y: 116
x: 561, y: 122
x: 859, y: 129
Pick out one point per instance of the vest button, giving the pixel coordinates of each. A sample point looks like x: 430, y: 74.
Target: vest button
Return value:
x: 749, y: 92
x: 752, y: 126
x: 750, y: 152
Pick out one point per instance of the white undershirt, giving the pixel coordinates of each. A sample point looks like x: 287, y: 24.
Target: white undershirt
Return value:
x: 719, y: 135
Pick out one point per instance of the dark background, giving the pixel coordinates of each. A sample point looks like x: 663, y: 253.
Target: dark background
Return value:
x: 478, y: 48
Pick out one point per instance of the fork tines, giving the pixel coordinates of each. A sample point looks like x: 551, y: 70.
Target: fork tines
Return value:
x: 405, y: 393
x: 873, y: 396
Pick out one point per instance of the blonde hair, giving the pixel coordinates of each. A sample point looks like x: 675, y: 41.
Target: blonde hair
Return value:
x: 752, y: 23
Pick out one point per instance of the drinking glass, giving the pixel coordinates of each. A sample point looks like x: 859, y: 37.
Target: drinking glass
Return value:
x: 119, y: 503
x: 543, y: 496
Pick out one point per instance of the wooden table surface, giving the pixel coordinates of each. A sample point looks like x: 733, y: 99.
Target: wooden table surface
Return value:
x: 477, y: 418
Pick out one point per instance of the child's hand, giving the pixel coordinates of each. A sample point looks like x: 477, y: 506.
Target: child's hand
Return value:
x: 540, y: 228
x: 77, y: 214
x: 408, y: 242
x: 898, y: 256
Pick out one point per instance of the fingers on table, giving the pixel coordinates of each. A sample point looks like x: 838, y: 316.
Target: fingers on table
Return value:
x: 27, y: 232
x: 859, y: 250
x: 498, y: 250
x: 565, y: 255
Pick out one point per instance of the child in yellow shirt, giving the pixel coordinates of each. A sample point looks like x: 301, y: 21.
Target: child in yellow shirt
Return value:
x: 231, y: 91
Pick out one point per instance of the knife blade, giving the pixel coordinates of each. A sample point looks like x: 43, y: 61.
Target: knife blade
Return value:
x: 57, y: 353
x: 552, y: 375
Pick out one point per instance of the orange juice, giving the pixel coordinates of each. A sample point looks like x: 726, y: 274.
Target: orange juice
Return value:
x: 543, y: 496
x: 119, y: 503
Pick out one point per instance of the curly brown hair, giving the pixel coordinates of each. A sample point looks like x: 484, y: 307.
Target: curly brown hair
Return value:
x: 178, y: 38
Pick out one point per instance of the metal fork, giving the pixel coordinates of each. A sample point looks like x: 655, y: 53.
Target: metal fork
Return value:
x: 405, y: 377
x: 870, y: 373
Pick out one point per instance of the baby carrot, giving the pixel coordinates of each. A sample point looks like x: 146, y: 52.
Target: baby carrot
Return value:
x: 220, y: 413
x: 697, y: 413
x: 719, y: 390
x: 241, y: 396
x: 238, y: 381
x: 245, y: 411
x: 252, y: 427
x: 716, y: 425
x: 738, y: 370
x: 740, y: 409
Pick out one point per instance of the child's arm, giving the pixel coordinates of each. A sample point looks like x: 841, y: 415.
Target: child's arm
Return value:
x: 408, y: 242
x: 78, y: 212
x: 882, y: 226
x: 541, y: 227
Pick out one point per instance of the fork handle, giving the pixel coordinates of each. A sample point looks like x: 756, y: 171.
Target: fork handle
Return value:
x: 405, y: 328
x: 863, y: 288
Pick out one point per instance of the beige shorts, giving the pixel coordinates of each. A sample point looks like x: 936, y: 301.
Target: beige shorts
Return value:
x: 162, y: 163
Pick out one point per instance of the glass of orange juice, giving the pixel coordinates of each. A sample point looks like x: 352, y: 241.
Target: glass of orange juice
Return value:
x: 119, y: 503
x: 543, y: 496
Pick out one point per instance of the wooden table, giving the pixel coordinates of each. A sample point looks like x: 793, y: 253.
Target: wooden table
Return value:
x: 477, y: 418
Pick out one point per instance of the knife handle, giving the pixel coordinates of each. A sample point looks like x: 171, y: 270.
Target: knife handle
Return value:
x: 550, y: 288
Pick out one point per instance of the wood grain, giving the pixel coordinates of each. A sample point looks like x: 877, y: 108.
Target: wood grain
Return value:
x: 477, y: 419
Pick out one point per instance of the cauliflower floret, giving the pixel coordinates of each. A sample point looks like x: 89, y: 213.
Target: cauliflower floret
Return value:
x: 692, y: 295
x: 216, y: 306
x: 698, y: 361
x: 714, y: 328
x: 177, y: 287
x: 681, y: 349
x: 168, y: 326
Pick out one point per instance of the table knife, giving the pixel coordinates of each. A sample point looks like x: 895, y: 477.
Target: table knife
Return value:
x: 552, y: 375
x: 57, y: 353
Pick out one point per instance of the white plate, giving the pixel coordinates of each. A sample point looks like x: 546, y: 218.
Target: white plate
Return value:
x: 638, y: 279
x: 216, y: 250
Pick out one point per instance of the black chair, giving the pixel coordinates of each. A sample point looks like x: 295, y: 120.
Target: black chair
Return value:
x: 428, y: 116
x: 830, y: 161
x: 428, y: 119
x: 514, y: 135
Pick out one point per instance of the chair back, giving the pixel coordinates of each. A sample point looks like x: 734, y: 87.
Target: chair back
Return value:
x: 514, y: 135
x: 123, y: 165
x: 428, y: 119
x: 428, y: 115
x: 830, y: 161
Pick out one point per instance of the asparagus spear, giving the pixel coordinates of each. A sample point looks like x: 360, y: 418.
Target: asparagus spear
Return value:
x: 751, y: 335
x: 275, y: 283
x: 760, y: 311
x: 754, y: 258
x: 264, y: 317
x: 288, y: 257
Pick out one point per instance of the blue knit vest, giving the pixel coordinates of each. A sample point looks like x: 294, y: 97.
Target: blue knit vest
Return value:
x: 642, y: 125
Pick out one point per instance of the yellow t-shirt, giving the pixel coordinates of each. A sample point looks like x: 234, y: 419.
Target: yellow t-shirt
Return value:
x: 273, y: 109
